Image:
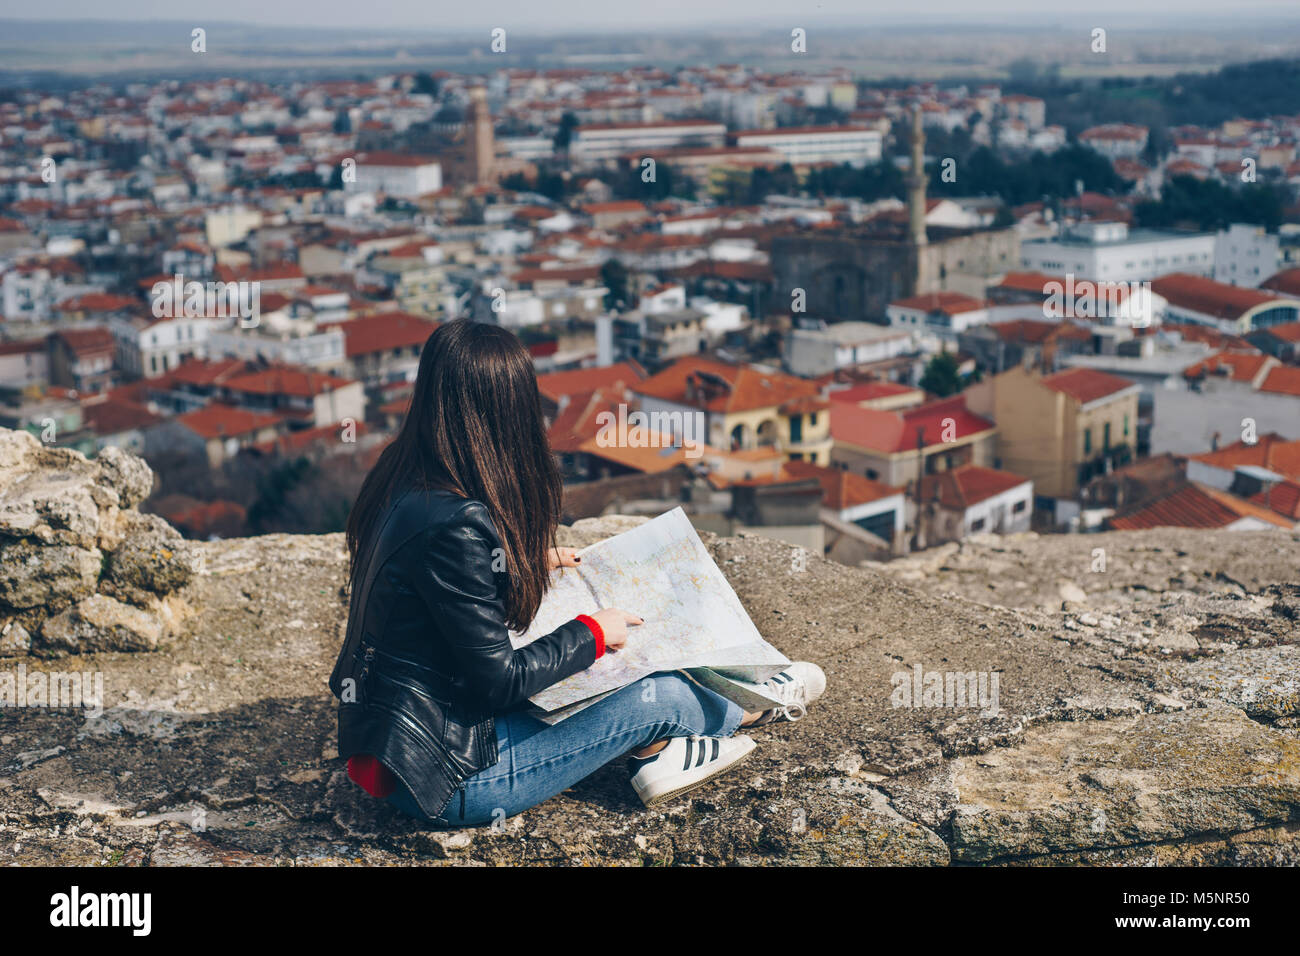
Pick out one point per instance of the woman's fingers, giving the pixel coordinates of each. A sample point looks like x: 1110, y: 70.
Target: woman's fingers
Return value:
x: 563, y: 558
x: 630, y: 618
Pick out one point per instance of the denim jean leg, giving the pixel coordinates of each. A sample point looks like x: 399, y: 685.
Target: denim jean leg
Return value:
x: 539, y: 760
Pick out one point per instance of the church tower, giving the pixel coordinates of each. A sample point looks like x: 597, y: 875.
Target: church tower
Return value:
x: 480, y: 144
x: 916, y: 203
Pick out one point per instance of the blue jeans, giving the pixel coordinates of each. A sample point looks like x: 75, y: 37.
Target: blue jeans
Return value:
x: 538, y: 760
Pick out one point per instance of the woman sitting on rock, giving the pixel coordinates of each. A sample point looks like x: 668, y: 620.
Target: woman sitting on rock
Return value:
x: 452, y: 542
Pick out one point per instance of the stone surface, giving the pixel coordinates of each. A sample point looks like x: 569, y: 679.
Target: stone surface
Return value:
x: 73, y: 547
x: 1103, y: 749
x: 46, y: 576
x: 152, y: 559
x: 1153, y: 778
x: 100, y: 623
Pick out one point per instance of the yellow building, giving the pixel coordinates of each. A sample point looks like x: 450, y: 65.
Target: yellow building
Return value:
x: 740, y: 407
x: 1063, y: 429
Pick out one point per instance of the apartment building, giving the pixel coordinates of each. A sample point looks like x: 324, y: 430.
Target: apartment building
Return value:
x: 1063, y: 429
x: 802, y: 145
x: 902, y: 445
x: 606, y: 142
x: 1111, y: 251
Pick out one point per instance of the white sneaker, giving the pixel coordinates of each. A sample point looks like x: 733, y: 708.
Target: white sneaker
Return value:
x: 795, y: 687
x: 686, y: 763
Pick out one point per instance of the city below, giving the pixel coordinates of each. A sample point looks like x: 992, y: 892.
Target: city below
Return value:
x: 861, y: 316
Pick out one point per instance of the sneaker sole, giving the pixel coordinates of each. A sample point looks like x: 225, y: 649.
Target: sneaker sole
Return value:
x: 667, y: 795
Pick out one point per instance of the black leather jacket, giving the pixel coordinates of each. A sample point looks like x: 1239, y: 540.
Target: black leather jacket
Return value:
x: 427, y: 660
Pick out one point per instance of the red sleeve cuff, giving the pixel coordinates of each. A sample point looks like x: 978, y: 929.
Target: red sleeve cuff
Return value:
x: 596, y: 632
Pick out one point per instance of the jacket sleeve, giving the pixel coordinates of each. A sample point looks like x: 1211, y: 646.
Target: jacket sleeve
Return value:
x: 457, y: 583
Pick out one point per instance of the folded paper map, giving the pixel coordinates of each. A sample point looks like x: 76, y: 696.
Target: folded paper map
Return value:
x: 693, y: 619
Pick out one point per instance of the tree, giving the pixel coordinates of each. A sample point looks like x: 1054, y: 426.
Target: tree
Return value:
x: 424, y: 83
x: 614, y: 275
x: 564, y: 135
x: 941, y: 376
x: 1209, y: 204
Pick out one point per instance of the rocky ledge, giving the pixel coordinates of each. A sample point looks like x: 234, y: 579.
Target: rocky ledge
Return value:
x: 80, y: 568
x: 1145, y: 713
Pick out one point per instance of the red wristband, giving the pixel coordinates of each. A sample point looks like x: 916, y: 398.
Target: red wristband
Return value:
x: 596, y: 632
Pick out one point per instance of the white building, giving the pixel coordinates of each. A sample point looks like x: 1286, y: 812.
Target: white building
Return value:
x: 1116, y: 140
x: 322, y: 349
x: 810, y: 352
x: 396, y: 174
x: 603, y: 142
x: 149, y: 348
x: 942, y: 313
x: 857, y: 146
x: 1245, y: 255
x: 1109, y: 251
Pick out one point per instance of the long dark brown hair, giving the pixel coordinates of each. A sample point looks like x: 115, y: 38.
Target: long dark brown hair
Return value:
x: 475, y: 428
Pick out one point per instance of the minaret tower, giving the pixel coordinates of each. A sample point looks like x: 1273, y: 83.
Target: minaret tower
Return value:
x: 916, y: 201
x: 480, y: 141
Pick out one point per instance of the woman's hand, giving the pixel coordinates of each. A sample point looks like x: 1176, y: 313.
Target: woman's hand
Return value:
x: 614, y: 622
x: 562, y: 558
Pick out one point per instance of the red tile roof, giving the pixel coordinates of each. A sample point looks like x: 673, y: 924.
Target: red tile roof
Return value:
x: 1283, y: 380
x: 1286, y: 282
x: 1086, y: 385
x: 87, y: 341
x: 1282, y: 498
x: 299, y: 440
x: 206, y: 371
x: 1194, y: 505
x: 389, y: 159
x: 1037, y: 331
x: 1286, y: 332
x: 113, y: 416
x: 97, y: 302
x: 574, y: 275
x: 1238, y: 366
x: 379, y: 333
x: 225, y: 421
x: 966, y: 485
x: 285, y: 380
x: 620, y: 205
x: 584, y: 381
x: 949, y: 303
x: 1208, y: 297
x: 841, y: 489
x: 577, y: 422
x: 714, y: 386
x: 900, y: 431
x: 1270, y: 451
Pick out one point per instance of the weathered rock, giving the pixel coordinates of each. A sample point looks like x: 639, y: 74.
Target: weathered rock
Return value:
x: 1150, y: 779
x: 68, y: 530
x: 1072, y: 593
x: 126, y: 475
x: 101, y: 623
x: 14, y: 639
x: 151, y: 559
x: 1264, y: 682
x: 33, y: 575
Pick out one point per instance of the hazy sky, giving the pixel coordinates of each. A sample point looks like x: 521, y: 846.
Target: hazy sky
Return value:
x: 575, y: 15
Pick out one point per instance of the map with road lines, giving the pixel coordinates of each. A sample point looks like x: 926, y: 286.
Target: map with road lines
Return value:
x: 693, y: 619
